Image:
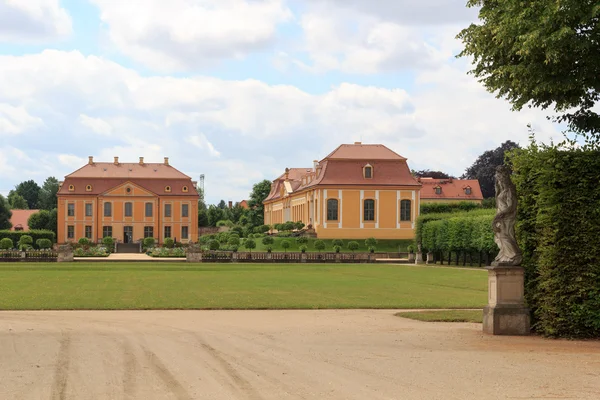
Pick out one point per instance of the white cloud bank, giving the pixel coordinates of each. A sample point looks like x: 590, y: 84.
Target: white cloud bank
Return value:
x: 33, y: 21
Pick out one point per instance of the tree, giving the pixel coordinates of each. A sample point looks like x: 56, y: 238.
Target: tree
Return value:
x: 256, y: 211
x: 353, y: 246
x: 484, y: 168
x: 540, y: 53
x: 268, y: 240
x: 5, y: 214
x: 250, y: 244
x: 16, y: 201
x: 222, y: 205
x: 47, y: 197
x: 425, y: 173
x: 285, y: 244
x: 319, y: 245
x: 44, y: 219
x: 214, y: 215
x: 302, y: 240
x: 30, y: 191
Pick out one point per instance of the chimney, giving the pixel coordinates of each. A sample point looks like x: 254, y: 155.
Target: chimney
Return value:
x: 91, y: 160
x: 230, y: 204
x: 357, y: 142
x: 166, y: 160
x: 141, y: 160
x: 287, y: 173
x: 116, y: 160
x: 315, y: 164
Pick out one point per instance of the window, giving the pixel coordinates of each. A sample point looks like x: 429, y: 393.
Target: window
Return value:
x: 148, y: 231
x: 148, y: 209
x: 438, y: 190
x: 467, y: 190
x: 368, y: 172
x: 405, y: 206
x: 128, y: 190
x: 369, y: 210
x: 88, y: 210
x: 70, y: 232
x: 128, y: 209
x: 185, y: 189
x: 106, y: 231
x: 332, y: 210
x: 167, y: 210
x: 88, y: 231
x: 167, y: 232
x: 70, y: 210
x: 167, y: 189
x: 185, y: 210
x: 184, y: 232
x: 71, y: 188
x: 108, y: 209
x: 88, y: 188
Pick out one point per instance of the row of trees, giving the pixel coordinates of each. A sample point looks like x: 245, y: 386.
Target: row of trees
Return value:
x: 28, y: 195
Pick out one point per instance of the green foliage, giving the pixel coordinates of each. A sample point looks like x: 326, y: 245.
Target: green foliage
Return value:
x: 148, y: 243
x: 25, y: 242
x: 285, y: 244
x: 372, y: 249
x: 16, y: 201
x: 6, y: 244
x: 558, y: 229
x: 410, y: 248
x: 353, y: 246
x: 338, y: 242
x: 5, y: 214
x: 84, y: 241
x: 425, y: 173
x: 214, y: 214
x: 169, y: 243
x: 47, y: 199
x: 337, y: 249
x: 302, y: 240
x: 214, y: 245
x: 461, y: 206
x: 256, y: 210
x: 166, y: 252
x: 529, y: 52
x: 15, y: 236
x: 109, y: 243
x: 225, y: 222
x: 268, y: 241
x: 319, y: 245
x: 30, y: 191
x: 303, y: 248
x: 94, y: 251
x: 223, y: 237
x: 44, y: 220
x: 250, y: 244
x: 299, y: 225
x: 234, y: 241
x: 43, y: 243
x: 289, y: 226
x: 262, y: 229
x: 371, y: 242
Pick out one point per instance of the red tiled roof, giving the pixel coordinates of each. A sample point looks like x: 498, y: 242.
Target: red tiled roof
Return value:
x: 452, y: 189
x: 102, y: 185
x: 359, y: 151
x: 128, y: 170
x: 19, y: 219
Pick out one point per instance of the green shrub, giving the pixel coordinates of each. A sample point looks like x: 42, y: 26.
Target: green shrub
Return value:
x: 25, y: 242
x: 148, y: 243
x: 338, y: 242
x: 301, y: 240
x: 84, y: 241
x: 109, y: 243
x: 15, y: 236
x: 6, y: 244
x: 289, y: 226
x: 214, y: 245
x: 250, y: 244
x: 372, y: 249
x: 234, y: 241
x: 353, y: 246
x: 299, y: 225
x: 285, y: 244
x: 268, y: 240
x: 43, y: 243
x: 337, y: 249
x: 226, y: 222
x: 435, y: 208
x: 169, y: 243
x: 319, y: 245
x: 303, y: 248
x: 371, y: 242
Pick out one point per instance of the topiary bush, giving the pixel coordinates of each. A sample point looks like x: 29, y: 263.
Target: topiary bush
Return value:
x: 6, y: 244
x: 35, y: 234
x: 268, y: 240
x: 234, y: 241
x: 371, y: 242
x: 319, y: 245
x: 25, y: 242
x: 84, y: 241
x: 43, y: 244
x: 148, y: 243
x: 109, y: 243
x: 337, y: 249
x: 250, y: 244
x: 169, y: 243
x: 285, y: 244
x: 303, y: 248
x: 214, y: 245
x: 338, y: 242
x: 302, y: 240
x: 353, y: 246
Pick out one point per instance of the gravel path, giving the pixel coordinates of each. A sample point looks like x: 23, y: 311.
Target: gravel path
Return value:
x: 353, y: 354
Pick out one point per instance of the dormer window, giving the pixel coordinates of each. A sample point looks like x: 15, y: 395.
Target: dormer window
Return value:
x: 468, y: 190
x: 368, y: 171
x: 88, y: 188
x: 184, y: 189
x: 71, y: 188
x: 168, y: 189
x: 438, y: 190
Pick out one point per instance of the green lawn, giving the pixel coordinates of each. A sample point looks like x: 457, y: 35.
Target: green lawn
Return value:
x: 385, y: 246
x: 445, y: 316
x: 236, y: 286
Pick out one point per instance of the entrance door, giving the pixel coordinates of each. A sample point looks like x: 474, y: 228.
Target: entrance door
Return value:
x: 128, y: 234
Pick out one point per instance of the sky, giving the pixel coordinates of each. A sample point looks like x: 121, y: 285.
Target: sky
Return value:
x: 238, y: 90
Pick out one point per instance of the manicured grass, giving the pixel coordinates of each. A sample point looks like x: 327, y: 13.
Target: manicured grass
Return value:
x: 475, y: 316
x: 236, y: 286
x: 385, y: 246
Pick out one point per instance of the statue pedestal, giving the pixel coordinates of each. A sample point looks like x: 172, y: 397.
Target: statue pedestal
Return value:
x: 506, y: 313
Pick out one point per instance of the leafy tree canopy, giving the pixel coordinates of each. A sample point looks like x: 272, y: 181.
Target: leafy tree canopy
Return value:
x: 484, y: 168
x: 16, y: 201
x: 30, y: 191
x: 47, y: 196
x: 541, y: 53
x: 5, y: 214
x: 425, y: 173
x: 259, y: 193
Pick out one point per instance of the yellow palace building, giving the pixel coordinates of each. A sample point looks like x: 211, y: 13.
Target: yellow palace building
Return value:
x: 357, y: 191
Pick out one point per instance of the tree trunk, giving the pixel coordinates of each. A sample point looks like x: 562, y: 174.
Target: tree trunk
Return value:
x: 464, y: 258
x: 457, y: 256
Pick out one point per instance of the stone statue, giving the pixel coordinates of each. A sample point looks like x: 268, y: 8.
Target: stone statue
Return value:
x: 505, y: 219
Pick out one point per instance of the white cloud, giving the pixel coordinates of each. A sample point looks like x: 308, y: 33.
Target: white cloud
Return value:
x: 445, y: 122
x: 33, y: 20
x: 16, y: 120
x: 97, y: 125
x: 185, y: 34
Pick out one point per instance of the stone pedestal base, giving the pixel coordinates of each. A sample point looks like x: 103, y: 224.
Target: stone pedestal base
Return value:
x: 419, y: 258
x: 506, y: 313
x: 429, y: 258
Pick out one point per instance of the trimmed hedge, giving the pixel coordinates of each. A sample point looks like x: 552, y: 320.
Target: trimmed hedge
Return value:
x: 558, y: 229
x: 15, y: 236
x: 437, y: 208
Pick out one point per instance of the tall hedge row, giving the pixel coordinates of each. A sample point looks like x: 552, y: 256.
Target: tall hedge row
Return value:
x: 35, y: 235
x: 437, y: 208
x: 450, y: 233
x: 559, y: 230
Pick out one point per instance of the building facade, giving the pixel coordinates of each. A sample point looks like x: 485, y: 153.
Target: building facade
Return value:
x: 128, y: 202
x: 357, y: 191
x: 450, y: 190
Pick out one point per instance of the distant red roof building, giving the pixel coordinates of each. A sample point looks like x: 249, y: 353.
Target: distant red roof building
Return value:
x: 244, y: 204
x: 445, y: 190
x: 19, y: 219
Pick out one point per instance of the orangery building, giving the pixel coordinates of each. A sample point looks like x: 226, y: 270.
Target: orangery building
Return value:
x: 128, y: 202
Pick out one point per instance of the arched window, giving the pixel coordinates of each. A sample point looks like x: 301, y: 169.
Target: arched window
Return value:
x: 405, y: 208
x: 468, y: 190
x: 369, y: 210
x: 167, y: 189
x: 107, y: 209
x: 185, y: 189
x: 368, y: 171
x: 71, y: 188
x: 88, y: 188
x: 438, y: 190
x: 332, y: 210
